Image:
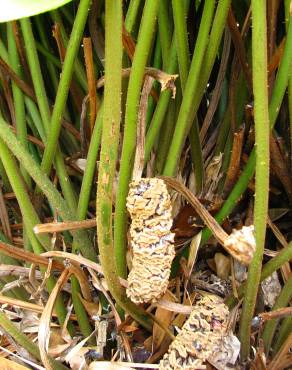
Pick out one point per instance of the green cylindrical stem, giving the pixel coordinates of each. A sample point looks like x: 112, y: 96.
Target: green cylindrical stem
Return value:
x: 192, y: 96
x: 181, y: 38
x: 279, y: 89
x: 34, y: 66
x: 108, y: 157
x: 54, y: 197
x: 64, y: 85
x: 90, y: 166
x: 284, y: 331
x: 132, y: 15
x: 146, y: 32
x: 262, y: 139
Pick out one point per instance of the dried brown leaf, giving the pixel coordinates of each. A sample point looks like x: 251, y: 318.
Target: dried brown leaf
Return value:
x: 44, y: 327
x: 283, y: 358
x: 141, y: 128
x: 222, y: 265
x: 234, y: 165
x: 6, y: 364
x: 164, y: 316
x: 193, y: 251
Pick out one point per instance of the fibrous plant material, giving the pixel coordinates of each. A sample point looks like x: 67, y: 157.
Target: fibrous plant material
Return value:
x: 150, y: 208
x: 201, y: 336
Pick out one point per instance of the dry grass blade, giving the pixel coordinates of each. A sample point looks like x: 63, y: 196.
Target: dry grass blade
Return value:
x: 83, y: 281
x: 277, y: 233
x: 4, y: 216
x: 13, y: 302
x: 88, y: 55
x: 174, y: 307
x: 53, y: 227
x: 240, y: 247
x: 277, y: 56
x: 165, y: 316
x: 276, y: 314
x: 81, y: 260
x: 140, y: 150
x: 234, y: 165
x: 32, y: 139
x: 23, y: 255
x: 194, y: 247
x: 20, y: 271
x: 44, y: 326
x: 19, y: 82
x: 6, y: 364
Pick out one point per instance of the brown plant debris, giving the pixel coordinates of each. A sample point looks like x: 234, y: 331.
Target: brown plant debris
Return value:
x: 149, y: 205
x: 243, y: 242
x: 201, y: 336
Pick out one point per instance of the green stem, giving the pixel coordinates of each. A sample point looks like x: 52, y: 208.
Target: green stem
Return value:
x: 64, y: 85
x: 282, y: 301
x: 161, y: 107
x: 34, y: 66
x: 108, y: 156
x: 58, y: 203
x: 287, y: 16
x: 131, y: 16
x: 28, y: 212
x: 282, y: 335
x: 181, y: 38
x: 21, y: 129
x: 45, y: 45
x: 192, y: 96
x: 165, y: 136
x: 90, y: 167
x: 145, y: 36
x: 24, y: 341
x: 81, y: 240
x: 262, y: 135
x: 29, y: 215
x: 164, y: 30
x: 279, y: 89
x: 157, y: 61
x: 79, y: 69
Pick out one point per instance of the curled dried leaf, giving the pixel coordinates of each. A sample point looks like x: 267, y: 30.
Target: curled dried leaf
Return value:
x: 242, y: 244
x: 149, y: 205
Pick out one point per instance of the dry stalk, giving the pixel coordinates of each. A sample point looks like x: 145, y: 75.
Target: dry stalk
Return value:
x: 239, y: 244
x: 53, y: 227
